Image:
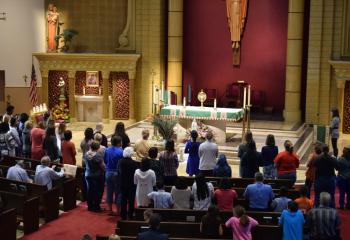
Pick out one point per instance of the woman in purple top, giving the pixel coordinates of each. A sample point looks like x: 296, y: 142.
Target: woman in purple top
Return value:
x: 241, y: 224
x: 191, y: 148
x: 269, y: 152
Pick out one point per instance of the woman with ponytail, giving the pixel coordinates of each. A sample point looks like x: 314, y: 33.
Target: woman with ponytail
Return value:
x: 287, y: 163
x: 241, y: 224
x: 191, y: 148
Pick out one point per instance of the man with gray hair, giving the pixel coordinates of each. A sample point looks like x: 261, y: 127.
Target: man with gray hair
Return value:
x: 44, y: 174
x: 99, y: 129
x: 323, y: 221
x: 126, y: 170
x: 259, y: 194
x: 208, y: 152
x: 18, y: 173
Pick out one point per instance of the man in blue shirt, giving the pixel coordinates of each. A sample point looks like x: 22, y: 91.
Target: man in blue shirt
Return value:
x: 292, y: 221
x: 153, y: 233
x: 259, y: 194
x: 161, y: 198
x: 18, y: 173
x: 44, y: 175
x: 111, y: 158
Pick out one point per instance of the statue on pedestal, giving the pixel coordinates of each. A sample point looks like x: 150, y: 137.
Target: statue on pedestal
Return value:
x: 61, y: 85
x: 52, y: 28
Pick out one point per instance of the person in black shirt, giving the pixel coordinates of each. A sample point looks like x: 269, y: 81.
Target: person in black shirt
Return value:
x: 211, y: 223
x: 325, y: 180
x: 155, y: 164
x: 120, y: 131
x: 126, y: 171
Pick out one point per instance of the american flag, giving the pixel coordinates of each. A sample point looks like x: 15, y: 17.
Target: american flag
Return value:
x: 33, y: 93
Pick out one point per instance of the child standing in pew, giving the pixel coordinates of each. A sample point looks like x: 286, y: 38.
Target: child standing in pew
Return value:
x: 292, y: 221
x: 211, y: 223
x: 161, y: 198
x: 281, y: 203
x: 240, y: 224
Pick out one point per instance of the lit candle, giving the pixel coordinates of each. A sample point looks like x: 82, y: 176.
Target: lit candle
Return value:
x: 249, y: 95
x: 184, y: 102
x: 244, y: 96
x: 84, y: 90
x: 215, y: 103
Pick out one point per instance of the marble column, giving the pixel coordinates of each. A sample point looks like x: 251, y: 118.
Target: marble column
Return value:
x: 45, y: 86
x: 105, y: 92
x: 292, y: 111
x: 71, y: 100
x: 341, y: 89
x: 175, y: 47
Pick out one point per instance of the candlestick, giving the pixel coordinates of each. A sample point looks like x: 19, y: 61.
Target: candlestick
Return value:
x: 184, y: 102
x: 83, y: 90
x: 215, y: 103
x: 99, y: 90
x: 249, y: 95
x: 244, y: 96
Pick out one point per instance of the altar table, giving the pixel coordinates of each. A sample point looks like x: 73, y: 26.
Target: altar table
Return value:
x: 202, y: 113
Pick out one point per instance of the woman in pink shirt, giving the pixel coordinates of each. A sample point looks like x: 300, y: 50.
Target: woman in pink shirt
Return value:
x: 241, y: 224
x: 37, y: 137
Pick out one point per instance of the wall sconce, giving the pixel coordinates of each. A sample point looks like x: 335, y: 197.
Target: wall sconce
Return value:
x: 3, y: 16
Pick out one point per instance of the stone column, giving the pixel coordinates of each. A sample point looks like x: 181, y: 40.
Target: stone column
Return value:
x: 292, y: 112
x: 71, y: 84
x: 341, y: 89
x: 45, y: 86
x: 175, y: 47
x: 105, y: 101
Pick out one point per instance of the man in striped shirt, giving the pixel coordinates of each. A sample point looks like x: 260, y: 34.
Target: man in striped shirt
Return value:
x: 324, y: 222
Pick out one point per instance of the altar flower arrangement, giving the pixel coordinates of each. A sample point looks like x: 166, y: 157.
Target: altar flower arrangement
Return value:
x: 60, y: 112
x: 202, y: 130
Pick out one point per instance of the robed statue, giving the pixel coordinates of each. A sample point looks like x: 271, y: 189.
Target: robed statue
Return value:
x: 52, y: 27
x: 236, y: 16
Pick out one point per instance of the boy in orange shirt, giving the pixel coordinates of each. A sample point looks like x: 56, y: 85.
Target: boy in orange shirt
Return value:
x: 304, y: 203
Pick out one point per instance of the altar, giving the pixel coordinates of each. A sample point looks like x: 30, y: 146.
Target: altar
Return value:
x: 215, y: 118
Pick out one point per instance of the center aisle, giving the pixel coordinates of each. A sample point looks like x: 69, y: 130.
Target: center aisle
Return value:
x: 75, y: 223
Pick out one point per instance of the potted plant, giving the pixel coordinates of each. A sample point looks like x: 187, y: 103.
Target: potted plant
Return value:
x: 67, y: 36
x: 165, y: 127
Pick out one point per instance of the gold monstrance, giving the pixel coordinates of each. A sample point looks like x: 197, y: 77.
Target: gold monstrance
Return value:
x: 202, y: 96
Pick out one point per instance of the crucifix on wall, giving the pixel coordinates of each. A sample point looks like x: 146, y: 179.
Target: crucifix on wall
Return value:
x: 236, y: 16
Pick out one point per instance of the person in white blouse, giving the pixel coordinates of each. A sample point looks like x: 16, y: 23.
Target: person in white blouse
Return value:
x: 202, y: 192
x: 144, y: 179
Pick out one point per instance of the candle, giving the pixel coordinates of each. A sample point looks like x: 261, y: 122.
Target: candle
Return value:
x: 215, y: 103
x: 244, y: 96
x: 184, y: 102
x: 249, y: 95
x: 99, y: 90
x: 83, y: 90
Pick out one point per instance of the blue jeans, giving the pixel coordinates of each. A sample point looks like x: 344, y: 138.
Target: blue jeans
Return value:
x: 291, y: 176
x: 269, y: 172
x: 325, y: 184
x: 344, y: 188
x: 112, y: 187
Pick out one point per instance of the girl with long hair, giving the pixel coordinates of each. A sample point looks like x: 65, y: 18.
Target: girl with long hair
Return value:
x: 191, y: 148
x: 120, y: 131
x: 211, y: 223
x: 168, y: 159
x: 202, y: 193
x: 241, y: 224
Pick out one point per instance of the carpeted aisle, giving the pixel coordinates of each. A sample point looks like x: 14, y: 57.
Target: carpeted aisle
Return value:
x: 74, y: 224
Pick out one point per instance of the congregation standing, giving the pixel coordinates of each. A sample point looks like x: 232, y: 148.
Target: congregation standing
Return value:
x: 145, y: 179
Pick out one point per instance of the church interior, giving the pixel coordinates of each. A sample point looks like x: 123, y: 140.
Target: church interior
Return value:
x: 225, y: 68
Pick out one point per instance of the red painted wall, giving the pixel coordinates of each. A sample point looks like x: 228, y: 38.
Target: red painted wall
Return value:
x: 208, y: 54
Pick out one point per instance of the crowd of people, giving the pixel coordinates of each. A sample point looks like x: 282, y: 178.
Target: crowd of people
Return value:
x: 143, y: 174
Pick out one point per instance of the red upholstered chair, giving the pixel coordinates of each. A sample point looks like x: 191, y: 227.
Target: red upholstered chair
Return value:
x: 231, y: 95
x: 257, y: 100
x: 211, y: 95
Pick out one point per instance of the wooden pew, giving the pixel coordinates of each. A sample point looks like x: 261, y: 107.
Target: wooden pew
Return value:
x: 80, y: 179
x: 171, y: 238
x: 49, y: 199
x: 191, y: 230
x: 70, y: 186
x: 27, y: 209
x: 180, y: 215
x: 244, y: 182
x: 8, y: 223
